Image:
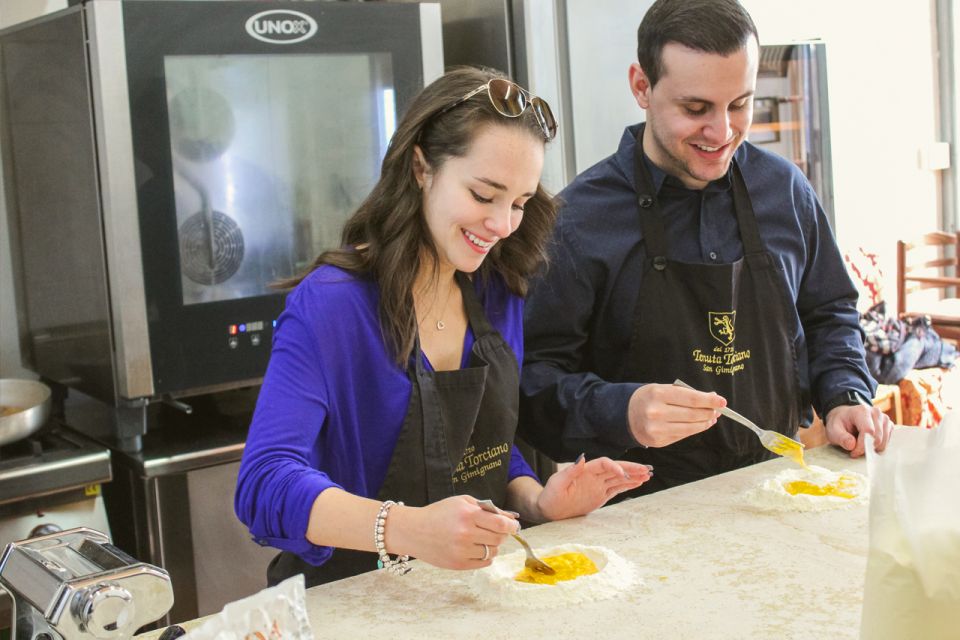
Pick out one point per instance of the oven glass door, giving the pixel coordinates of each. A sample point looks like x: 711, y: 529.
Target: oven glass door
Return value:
x: 254, y: 201
x: 250, y: 155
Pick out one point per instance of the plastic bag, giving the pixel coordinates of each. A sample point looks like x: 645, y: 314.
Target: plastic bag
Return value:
x: 274, y: 613
x: 912, y: 587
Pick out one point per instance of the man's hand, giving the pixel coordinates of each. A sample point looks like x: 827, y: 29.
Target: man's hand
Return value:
x: 847, y: 426
x: 661, y: 414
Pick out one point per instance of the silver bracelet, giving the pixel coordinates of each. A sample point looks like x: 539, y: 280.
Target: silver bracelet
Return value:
x: 399, y: 565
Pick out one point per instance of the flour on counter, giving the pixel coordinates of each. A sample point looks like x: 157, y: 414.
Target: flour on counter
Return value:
x: 772, y: 494
x: 495, y: 585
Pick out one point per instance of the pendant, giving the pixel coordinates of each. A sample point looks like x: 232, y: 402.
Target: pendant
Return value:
x: 440, y: 325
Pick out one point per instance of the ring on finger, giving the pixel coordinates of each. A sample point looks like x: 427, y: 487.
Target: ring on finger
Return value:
x: 486, y: 552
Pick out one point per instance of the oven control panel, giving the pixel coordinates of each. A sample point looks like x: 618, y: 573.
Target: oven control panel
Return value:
x: 248, y: 334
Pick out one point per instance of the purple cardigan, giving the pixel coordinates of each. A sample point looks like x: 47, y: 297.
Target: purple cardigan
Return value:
x: 332, y: 405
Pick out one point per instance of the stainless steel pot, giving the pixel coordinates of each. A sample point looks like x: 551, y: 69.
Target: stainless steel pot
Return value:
x: 25, y: 408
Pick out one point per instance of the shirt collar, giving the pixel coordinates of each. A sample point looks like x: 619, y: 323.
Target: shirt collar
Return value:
x: 625, y: 158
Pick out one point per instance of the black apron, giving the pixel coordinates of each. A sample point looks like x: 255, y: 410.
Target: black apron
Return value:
x: 723, y: 328
x: 456, y: 439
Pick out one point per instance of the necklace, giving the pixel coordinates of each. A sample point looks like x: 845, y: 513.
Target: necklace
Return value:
x: 440, y: 324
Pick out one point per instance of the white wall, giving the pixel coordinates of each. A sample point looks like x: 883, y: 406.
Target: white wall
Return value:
x: 14, y: 11
x: 882, y: 75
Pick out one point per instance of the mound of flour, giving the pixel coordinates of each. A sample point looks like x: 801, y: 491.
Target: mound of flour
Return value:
x: 773, y: 495
x: 495, y: 585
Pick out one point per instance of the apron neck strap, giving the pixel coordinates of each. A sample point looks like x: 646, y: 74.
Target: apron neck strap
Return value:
x: 475, y: 316
x: 475, y: 313
x: 749, y: 230
x: 654, y: 236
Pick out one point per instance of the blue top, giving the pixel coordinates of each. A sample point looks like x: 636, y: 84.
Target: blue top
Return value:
x: 579, y: 315
x: 333, y: 403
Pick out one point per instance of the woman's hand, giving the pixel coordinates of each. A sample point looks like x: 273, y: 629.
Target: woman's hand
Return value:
x: 585, y: 486
x: 454, y: 533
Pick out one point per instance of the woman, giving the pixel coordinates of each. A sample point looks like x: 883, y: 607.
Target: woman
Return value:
x: 394, y: 371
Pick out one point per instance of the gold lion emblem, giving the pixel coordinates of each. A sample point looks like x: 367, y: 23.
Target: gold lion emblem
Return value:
x: 721, y: 326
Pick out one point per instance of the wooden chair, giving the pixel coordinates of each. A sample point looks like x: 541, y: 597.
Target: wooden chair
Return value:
x: 931, y: 262
x: 888, y: 401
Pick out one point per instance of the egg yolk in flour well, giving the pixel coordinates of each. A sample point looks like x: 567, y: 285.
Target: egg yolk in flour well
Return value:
x: 568, y: 566
x: 842, y: 488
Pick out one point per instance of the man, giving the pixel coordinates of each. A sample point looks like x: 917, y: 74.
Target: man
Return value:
x: 691, y: 254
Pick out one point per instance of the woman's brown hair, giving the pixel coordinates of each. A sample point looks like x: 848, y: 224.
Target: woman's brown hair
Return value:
x: 385, y: 238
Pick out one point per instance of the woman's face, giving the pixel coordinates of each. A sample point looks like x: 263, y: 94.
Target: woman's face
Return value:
x: 472, y: 202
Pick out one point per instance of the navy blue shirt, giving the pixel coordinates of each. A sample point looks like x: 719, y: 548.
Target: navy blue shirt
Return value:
x: 579, y: 314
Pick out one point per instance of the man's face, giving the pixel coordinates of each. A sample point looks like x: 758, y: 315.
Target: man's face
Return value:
x: 699, y: 111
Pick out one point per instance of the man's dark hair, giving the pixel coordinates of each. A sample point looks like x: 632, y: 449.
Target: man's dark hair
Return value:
x: 711, y: 26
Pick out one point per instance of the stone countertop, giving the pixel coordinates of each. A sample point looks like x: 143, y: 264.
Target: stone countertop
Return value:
x: 711, y: 566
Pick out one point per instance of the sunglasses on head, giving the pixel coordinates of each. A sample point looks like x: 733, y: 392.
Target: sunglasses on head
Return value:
x: 511, y: 100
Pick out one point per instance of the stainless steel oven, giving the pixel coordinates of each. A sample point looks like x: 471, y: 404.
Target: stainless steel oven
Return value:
x: 166, y: 161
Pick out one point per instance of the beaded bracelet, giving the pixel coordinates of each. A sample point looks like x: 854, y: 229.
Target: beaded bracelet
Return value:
x: 398, y: 566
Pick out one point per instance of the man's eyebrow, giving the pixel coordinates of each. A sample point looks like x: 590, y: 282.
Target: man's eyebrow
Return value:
x: 708, y: 102
x: 498, y: 186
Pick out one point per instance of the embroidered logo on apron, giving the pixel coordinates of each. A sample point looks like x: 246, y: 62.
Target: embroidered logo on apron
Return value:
x: 721, y: 326
x: 476, y: 464
x: 722, y: 359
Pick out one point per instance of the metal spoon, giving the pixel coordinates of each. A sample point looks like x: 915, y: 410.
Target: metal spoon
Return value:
x: 532, y: 561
